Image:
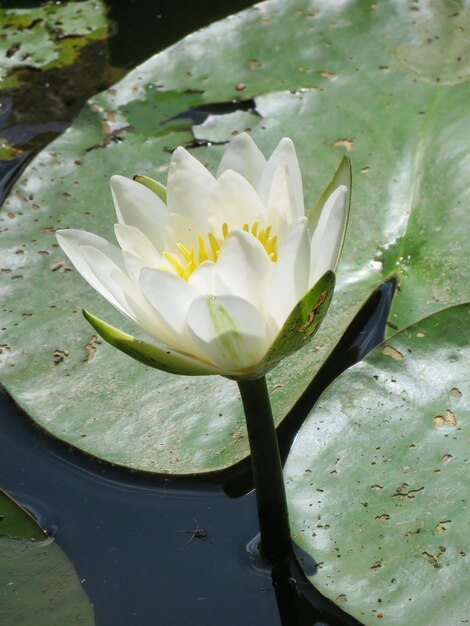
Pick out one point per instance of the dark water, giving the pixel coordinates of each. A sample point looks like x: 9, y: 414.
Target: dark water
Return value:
x: 132, y: 538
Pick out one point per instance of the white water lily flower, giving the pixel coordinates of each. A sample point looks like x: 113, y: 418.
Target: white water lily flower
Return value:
x: 225, y: 273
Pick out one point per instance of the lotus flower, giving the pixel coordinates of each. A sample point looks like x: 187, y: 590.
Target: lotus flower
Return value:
x: 225, y: 273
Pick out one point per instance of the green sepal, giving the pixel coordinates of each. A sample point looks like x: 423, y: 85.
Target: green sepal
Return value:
x: 157, y: 188
x: 159, y: 357
x: 342, y: 176
x: 302, y: 323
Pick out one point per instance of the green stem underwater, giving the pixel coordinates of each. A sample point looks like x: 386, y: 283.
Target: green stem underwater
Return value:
x: 267, y: 469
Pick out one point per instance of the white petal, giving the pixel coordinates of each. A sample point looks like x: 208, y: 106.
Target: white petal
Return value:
x: 289, y: 279
x: 328, y: 237
x: 181, y: 230
x: 137, y: 206
x: 134, y: 266
x: 203, y: 278
x: 279, y: 210
x: 70, y: 239
x: 72, y: 243
x: 171, y: 297
x: 189, y: 185
x: 243, y: 268
x: 133, y: 240
x: 233, y: 201
x: 243, y: 156
x: 284, y: 156
x: 137, y: 250
x: 231, y: 332
x: 116, y: 286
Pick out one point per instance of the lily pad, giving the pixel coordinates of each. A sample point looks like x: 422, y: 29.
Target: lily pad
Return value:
x: 377, y: 480
x: 370, y: 81
x: 37, y: 583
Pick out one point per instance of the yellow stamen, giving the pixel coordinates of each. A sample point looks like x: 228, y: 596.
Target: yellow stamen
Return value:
x: 186, y: 260
x: 214, y: 246
x: 264, y: 235
x: 203, y: 256
x: 271, y: 248
x: 176, y: 265
x: 188, y: 254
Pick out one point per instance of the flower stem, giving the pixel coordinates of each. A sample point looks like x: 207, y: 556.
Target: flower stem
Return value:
x: 267, y: 469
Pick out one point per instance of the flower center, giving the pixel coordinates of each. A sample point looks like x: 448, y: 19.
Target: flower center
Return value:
x: 186, y: 260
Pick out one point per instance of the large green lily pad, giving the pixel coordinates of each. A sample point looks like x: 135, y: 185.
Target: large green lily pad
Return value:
x: 385, y: 83
x: 37, y: 583
x: 377, y: 480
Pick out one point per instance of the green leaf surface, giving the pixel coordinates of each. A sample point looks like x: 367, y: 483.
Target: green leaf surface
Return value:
x: 384, y: 83
x: 377, y: 480
x: 38, y: 585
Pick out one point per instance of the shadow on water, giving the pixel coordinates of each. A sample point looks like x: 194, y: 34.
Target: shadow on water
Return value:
x: 148, y: 548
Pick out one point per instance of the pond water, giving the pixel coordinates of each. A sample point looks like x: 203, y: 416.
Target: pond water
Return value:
x: 150, y: 550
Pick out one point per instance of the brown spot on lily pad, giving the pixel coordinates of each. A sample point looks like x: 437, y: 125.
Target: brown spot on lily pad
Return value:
x: 329, y: 75
x: 393, y: 352
x: 430, y: 559
x: 448, y: 419
x: 60, y: 355
x: 345, y: 143
x: 441, y: 526
x: 255, y: 64
x: 91, y: 347
x: 61, y: 266
x: 446, y: 458
x: 401, y: 494
x: 456, y: 393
